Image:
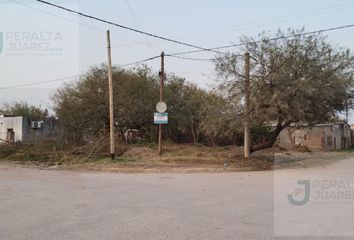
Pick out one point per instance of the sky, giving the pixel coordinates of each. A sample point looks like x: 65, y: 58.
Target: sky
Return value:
x: 41, y: 43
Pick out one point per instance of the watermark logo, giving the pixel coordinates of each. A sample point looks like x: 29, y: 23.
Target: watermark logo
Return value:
x: 322, y: 190
x: 1, y: 41
x: 304, y: 194
x: 32, y: 43
x: 314, y: 202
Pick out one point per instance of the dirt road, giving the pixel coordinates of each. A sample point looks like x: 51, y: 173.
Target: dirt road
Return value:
x: 38, y: 204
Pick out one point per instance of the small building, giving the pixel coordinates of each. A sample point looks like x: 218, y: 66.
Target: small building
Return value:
x: 20, y: 129
x: 320, y: 137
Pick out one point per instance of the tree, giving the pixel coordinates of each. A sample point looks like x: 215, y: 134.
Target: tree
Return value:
x: 221, y: 121
x: 298, y: 79
x: 184, y: 101
x: 82, y: 106
x: 23, y: 109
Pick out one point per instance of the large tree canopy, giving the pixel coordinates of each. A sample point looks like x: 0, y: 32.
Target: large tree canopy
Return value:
x: 23, y: 109
x: 298, y: 79
x: 82, y: 106
x: 293, y: 79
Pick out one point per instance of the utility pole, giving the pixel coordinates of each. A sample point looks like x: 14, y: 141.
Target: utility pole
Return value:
x: 247, y: 136
x: 110, y: 90
x: 347, y: 111
x: 162, y: 78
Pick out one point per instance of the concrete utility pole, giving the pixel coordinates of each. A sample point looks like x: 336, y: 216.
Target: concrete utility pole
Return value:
x: 247, y: 137
x: 162, y: 78
x: 110, y: 90
x: 347, y: 111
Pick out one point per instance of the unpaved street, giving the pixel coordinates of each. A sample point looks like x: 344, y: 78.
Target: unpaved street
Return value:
x: 38, y: 204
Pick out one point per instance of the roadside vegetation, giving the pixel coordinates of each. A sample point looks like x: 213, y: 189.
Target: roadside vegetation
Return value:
x: 293, y: 80
x: 175, y: 158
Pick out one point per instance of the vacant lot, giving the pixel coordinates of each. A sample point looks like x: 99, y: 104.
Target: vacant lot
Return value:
x: 184, y: 157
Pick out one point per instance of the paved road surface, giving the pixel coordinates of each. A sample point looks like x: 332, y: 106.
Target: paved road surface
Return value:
x: 53, y: 205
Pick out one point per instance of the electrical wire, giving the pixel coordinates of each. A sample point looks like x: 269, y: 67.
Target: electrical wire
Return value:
x: 138, y: 62
x: 39, y: 83
x: 280, y: 19
x: 119, y: 66
x: 198, y: 59
x: 195, y: 51
x: 127, y: 28
x: 82, y: 24
x: 188, y: 58
x: 75, y: 76
x: 200, y: 49
x: 270, y: 39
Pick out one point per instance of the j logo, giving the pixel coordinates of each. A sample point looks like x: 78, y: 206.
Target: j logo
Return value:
x: 293, y: 199
x: 1, y: 41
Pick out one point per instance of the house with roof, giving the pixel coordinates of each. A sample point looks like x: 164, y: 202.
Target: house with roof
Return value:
x: 20, y: 128
x: 322, y: 137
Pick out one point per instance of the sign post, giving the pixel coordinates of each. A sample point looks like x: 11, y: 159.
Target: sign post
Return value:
x: 160, y: 118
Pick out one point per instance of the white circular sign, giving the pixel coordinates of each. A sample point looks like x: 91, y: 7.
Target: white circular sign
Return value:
x: 161, y: 107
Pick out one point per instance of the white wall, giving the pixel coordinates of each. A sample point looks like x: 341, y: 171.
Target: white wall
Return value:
x: 14, y: 123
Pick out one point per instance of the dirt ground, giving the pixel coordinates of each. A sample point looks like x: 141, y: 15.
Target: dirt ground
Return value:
x: 176, y: 158
x: 73, y: 205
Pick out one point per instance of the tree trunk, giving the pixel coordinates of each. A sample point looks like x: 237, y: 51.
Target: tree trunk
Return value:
x: 268, y: 144
x: 211, y: 141
x: 193, y: 134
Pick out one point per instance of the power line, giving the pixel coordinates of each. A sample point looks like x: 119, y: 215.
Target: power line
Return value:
x: 119, y: 66
x: 137, y: 62
x: 177, y: 55
x: 127, y: 28
x: 198, y: 59
x: 75, y: 76
x: 39, y: 83
x: 188, y: 58
x: 23, y: 22
x: 66, y: 19
x: 80, y: 23
x: 330, y: 9
x: 200, y: 49
x: 291, y: 36
x: 270, y: 39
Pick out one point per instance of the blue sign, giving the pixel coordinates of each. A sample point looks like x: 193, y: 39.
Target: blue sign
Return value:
x: 161, y: 118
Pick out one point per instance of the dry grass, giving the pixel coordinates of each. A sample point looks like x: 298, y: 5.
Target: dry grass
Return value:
x: 174, y: 157
x: 182, y: 154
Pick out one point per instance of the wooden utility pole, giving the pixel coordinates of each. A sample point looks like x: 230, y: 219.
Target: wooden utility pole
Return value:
x: 110, y: 90
x: 247, y: 90
x: 162, y: 78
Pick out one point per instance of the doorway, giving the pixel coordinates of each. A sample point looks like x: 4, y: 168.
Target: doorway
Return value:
x: 10, y: 137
